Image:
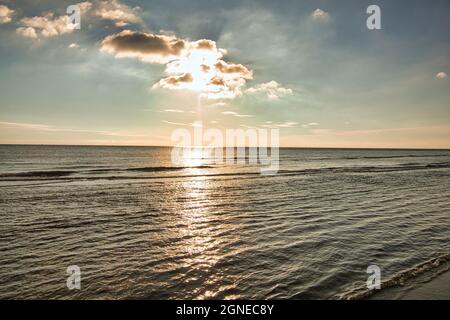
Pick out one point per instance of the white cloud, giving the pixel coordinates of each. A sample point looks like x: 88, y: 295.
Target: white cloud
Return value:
x: 73, y: 46
x: 441, y: 75
x: 272, y: 89
x: 49, y: 25
x: 175, y: 123
x: 311, y: 124
x: 173, y: 110
x: 5, y: 14
x: 45, y: 127
x: 27, y: 32
x: 286, y: 124
x: 115, y: 11
x: 121, y: 24
x: 321, y: 15
x: 25, y: 125
x: 85, y: 6
x: 45, y: 26
x: 232, y: 113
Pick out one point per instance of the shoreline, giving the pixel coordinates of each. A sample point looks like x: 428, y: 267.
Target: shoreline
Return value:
x: 436, y: 287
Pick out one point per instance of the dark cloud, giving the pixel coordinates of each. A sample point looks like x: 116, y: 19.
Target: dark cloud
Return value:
x: 217, y: 81
x: 174, y: 80
x: 147, y: 46
x: 224, y: 67
x: 206, y: 44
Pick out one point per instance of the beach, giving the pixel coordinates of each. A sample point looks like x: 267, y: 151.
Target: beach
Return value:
x: 429, y: 284
x: 436, y: 289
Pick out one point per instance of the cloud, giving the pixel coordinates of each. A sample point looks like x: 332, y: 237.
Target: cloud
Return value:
x: 175, y: 123
x: 173, y: 110
x: 45, y: 127
x: 27, y: 32
x: 5, y: 14
x: 144, y: 46
x: 73, y: 46
x: 320, y: 15
x: 287, y: 124
x: 311, y: 124
x: 228, y: 68
x: 182, y: 81
x: 45, y: 26
x: 272, y: 89
x: 197, y: 124
x: 85, y: 6
x: 232, y: 113
x: 190, y: 65
x: 115, y: 11
x: 441, y: 75
x: 49, y: 25
x: 25, y: 125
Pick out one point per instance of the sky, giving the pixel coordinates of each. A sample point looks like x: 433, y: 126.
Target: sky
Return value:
x: 136, y: 71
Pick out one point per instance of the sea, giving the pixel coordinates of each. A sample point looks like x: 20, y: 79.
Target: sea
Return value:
x: 139, y: 227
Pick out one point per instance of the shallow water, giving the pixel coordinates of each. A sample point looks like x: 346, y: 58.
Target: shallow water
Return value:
x: 140, y: 227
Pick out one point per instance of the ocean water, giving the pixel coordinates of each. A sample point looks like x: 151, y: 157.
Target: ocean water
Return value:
x: 141, y: 228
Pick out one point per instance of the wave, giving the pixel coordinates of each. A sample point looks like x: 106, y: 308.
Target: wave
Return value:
x: 62, y: 173
x: 41, y: 175
x: 374, y: 169
x: 147, y: 169
x: 386, y: 157
x: 400, y: 278
x: 53, y: 173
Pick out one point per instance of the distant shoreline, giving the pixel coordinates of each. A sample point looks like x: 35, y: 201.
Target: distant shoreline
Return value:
x: 150, y: 146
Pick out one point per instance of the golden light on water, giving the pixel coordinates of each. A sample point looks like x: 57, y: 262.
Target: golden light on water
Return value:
x: 193, y: 157
x: 202, y: 233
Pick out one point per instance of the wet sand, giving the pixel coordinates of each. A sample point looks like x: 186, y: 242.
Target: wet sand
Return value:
x: 436, y: 288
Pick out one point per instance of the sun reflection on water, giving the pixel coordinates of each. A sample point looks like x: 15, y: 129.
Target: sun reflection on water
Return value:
x: 201, y: 228
x: 202, y: 235
x: 197, y: 156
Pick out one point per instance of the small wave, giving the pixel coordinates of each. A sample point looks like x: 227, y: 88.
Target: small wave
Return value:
x: 398, y: 279
x: 146, y: 169
x: 31, y: 174
x: 42, y: 175
x: 385, y: 157
x: 63, y: 173
x: 157, y: 169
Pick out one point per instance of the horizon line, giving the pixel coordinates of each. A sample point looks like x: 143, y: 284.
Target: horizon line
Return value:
x: 165, y: 146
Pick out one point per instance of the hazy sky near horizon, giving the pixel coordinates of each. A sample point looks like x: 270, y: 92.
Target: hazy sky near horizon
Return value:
x: 137, y: 70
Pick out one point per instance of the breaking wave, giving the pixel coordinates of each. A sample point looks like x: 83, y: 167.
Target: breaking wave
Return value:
x: 433, y: 265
